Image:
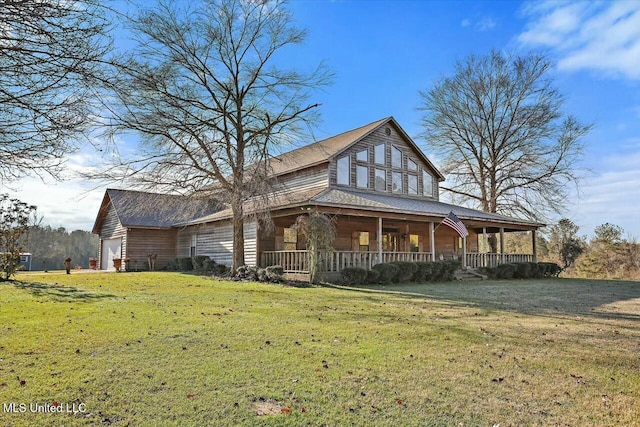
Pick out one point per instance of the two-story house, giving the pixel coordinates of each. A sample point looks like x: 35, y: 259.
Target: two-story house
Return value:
x: 381, y: 188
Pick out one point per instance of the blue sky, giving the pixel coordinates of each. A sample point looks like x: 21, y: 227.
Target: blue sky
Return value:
x: 384, y: 52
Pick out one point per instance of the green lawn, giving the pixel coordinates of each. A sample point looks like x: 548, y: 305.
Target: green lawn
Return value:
x: 173, y: 349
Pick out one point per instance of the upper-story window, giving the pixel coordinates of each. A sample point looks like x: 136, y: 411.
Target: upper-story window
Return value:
x: 379, y: 154
x: 396, y: 182
x: 362, y: 176
x: 362, y: 156
x: 412, y: 182
x: 411, y: 165
x: 396, y: 157
x: 427, y: 184
x: 381, y: 180
x: 344, y: 171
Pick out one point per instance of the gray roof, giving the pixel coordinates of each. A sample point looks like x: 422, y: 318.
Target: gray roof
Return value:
x: 415, y: 206
x: 153, y: 210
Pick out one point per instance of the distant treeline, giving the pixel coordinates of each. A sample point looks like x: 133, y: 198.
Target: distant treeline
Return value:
x: 54, y: 245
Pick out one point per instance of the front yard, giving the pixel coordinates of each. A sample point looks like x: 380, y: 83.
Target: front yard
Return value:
x: 176, y: 349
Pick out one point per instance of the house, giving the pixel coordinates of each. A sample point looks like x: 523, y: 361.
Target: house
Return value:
x: 381, y: 188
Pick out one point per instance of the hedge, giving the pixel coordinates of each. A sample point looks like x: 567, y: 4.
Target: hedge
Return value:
x: 354, y: 275
x: 387, y: 272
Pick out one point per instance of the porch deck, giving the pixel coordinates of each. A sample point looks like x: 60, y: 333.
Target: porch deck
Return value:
x: 297, y: 261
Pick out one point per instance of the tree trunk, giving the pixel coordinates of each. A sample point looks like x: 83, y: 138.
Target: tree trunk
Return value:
x: 493, y: 243
x: 238, y: 234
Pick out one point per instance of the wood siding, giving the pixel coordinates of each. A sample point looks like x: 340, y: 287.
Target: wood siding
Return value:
x: 111, y: 229
x: 142, y: 242
x: 304, y: 180
x: 395, y: 139
x: 216, y: 241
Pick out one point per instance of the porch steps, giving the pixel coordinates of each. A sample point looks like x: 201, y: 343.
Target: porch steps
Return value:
x: 469, y: 274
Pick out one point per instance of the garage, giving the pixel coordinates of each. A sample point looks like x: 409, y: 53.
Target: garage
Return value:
x: 111, y: 249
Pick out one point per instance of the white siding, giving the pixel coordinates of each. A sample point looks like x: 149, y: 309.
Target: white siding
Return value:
x: 183, y: 245
x: 216, y: 241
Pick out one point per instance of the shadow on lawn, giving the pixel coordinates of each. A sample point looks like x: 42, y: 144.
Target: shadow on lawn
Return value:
x: 597, y: 298
x: 59, y: 292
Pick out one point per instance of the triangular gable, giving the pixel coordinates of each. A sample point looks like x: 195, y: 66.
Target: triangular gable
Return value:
x: 323, y: 151
x: 407, y: 139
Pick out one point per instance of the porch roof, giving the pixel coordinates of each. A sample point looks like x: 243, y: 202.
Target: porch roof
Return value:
x: 377, y: 202
x: 344, y: 198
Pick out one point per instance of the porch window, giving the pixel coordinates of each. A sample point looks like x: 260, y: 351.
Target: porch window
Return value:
x: 396, y: 157
x: 290, y: 239
x: 344, y: 167
x: 427, y: 184
x: 363, y: 239
x: 381, y: 180
x: 363, y: 156
x: 411, y: 165
x: 412, y: 180
x: 396, y: 182
x: 413, y: 243
x: 362, y: 176
x: 379, y: 155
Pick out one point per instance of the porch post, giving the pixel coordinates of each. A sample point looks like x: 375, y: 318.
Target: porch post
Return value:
x: 432, y: 241
x: 502, y: 244
x: 464, y: 252
x: 533, y: 245
x: 380, y: 239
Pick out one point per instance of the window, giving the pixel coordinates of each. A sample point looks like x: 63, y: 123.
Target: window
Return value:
x: 290, y: 239
x: 362, y: 176
x: 414, y: 243
x: 363, y: 240
x: 412, y: 181
x: 396, y: 182
x: 427, y: 184
x: 381, y: 180
x: 379, y: 155
x: 194, y: 242
x: 344, y: 169
x: 362, y: 156
x: 411, y: 165
x: 396, y: 157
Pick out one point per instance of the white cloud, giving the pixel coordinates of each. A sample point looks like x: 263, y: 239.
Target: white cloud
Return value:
x: 486, y: 23
x: 465, y: 23
x: 603, y: 36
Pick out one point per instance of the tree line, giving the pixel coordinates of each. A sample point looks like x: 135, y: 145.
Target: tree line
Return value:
x: 50, y: 246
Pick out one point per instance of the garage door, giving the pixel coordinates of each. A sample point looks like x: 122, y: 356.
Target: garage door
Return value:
x: 110, y: 250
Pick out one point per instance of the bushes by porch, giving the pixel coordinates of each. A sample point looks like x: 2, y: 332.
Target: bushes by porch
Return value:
x: 442, y: 271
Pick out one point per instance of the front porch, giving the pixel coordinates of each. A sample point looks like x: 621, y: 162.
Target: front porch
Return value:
x: 297, y: 261
x: 366, y: 240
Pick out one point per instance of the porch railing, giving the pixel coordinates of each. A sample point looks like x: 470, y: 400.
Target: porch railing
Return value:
x: 476, y: 260
x: 336, y: 261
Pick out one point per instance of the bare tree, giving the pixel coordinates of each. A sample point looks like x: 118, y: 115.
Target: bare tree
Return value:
x: 203, y: 91
x: 48, y: 51
x: 505, y: 143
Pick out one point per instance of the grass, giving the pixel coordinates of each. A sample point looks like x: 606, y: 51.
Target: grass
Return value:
x: 174, y: 349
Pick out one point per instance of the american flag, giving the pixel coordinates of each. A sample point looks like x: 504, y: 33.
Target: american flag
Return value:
x: 454, y: 222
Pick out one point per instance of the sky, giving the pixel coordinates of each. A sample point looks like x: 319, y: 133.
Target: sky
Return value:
x: 384, y: 52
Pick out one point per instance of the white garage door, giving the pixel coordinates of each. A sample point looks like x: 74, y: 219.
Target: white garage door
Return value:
x: 110, y: 250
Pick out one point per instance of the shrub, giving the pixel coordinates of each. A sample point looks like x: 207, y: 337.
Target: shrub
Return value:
x: 275, y: 273
x: 549, y: 269
x: 505, y: 271
x: 354, y: 275
x: 387, y: 272
x: 405, y: 272
x: 197, y: 263
x: 535, y: 271
x: 220, y: 269
x: 245, y: 272
x: 209, y: 266
x: 373, y: 276
x: 523, y: 270
x: 184, y: 264
x: 423, y: 272
x: 436, y: 269
x: 448, y: 270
